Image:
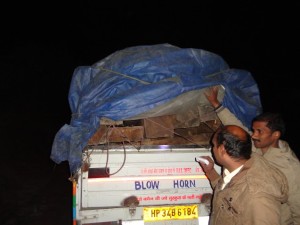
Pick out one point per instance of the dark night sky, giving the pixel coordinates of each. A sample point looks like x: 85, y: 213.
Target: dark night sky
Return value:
x: 42, y: 44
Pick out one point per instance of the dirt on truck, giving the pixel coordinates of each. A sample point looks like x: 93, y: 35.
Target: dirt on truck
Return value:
x: 139, y: 120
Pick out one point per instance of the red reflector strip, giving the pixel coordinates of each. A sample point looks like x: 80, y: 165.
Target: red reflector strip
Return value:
x: 147, y: 178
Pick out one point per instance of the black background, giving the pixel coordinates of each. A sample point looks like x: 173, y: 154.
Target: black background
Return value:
x: 42, y: 44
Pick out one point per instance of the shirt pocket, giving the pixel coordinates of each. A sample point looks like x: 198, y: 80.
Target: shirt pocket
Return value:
x: 229, y: 207
x: 226, y: 213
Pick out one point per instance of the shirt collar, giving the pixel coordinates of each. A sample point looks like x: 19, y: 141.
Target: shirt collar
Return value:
x: 227, y: 176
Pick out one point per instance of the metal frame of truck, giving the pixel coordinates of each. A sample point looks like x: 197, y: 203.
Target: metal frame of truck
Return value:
x: 146, y: 185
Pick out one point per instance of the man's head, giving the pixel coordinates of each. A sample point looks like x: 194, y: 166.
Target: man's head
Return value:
x: 267, y: 129
x: 231, y: 143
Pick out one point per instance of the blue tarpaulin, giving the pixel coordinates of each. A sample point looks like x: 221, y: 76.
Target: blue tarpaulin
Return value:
x: 137, y: 79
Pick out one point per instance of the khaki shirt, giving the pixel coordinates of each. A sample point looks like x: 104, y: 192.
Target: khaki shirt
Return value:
x: 251, y: 197
x: 286, y: 161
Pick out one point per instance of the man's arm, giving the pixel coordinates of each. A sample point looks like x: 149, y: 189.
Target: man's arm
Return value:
x: 210, y: 171
x: 262, y: 210
x: 224, y: 114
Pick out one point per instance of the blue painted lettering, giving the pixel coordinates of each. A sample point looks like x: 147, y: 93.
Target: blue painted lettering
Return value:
x: 146, y: 185
x: 184, y: 183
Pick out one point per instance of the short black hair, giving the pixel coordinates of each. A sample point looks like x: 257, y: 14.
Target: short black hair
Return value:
x: 235, y: 146
x: 274, y: 121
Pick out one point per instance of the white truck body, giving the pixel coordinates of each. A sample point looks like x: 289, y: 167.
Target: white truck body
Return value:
x: 147, y: 185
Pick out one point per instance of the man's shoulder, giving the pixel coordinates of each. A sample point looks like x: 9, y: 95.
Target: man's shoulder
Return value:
x: 283, y: 156
x: 261, y: 170
x: 260, y: 164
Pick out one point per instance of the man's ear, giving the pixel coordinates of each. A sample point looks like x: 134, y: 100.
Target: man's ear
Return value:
x: 222, y: 149
x: 276, y: 134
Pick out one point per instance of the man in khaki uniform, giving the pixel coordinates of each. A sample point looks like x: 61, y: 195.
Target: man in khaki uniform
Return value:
x: 267, y: 130
x: 244, y: 195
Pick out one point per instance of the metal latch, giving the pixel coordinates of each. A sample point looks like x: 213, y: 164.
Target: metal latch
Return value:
x: 131, y: 202
x: 206, y: 200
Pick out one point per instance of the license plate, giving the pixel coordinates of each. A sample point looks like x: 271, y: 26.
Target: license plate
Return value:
x: 170, y: 213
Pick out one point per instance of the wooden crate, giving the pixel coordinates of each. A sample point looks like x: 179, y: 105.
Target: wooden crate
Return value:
x: 107, y: 134
x: 157, y: 127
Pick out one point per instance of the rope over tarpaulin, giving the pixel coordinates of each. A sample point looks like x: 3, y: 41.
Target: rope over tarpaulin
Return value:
x: 138, y: 79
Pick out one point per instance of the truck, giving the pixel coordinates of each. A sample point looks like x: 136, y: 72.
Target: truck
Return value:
x: 139, y: 119
x: 151, y: 182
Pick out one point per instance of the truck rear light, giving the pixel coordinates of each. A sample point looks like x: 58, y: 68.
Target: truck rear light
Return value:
x: 98, y: 173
